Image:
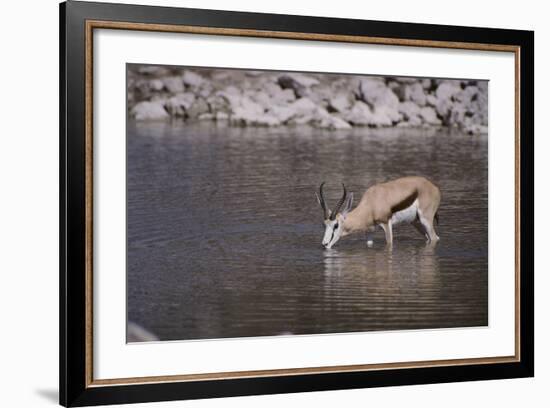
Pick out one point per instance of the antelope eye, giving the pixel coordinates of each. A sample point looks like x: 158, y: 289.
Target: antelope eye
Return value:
x: 336, y: 226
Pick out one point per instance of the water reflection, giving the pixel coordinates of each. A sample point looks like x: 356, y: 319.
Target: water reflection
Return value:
x: 394, y: 283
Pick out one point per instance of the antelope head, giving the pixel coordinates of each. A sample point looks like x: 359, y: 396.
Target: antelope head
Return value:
x: 334, y: 220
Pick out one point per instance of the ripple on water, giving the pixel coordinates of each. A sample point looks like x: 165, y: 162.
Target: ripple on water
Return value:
x: 224, y: 233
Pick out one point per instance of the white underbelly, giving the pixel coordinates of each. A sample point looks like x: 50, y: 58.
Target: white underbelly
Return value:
x: 405, y: 215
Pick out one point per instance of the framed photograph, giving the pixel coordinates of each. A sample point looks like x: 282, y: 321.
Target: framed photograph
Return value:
x: 256, y: 203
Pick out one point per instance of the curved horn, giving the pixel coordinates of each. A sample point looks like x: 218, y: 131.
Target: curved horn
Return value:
x: 321, y: 199
x: 339, y: 205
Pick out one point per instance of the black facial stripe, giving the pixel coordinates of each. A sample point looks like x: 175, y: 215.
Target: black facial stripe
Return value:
x: 332, y: 236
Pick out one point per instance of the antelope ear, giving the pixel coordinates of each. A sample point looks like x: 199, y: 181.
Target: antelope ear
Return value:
x: 318, y: 199
x: 347, y: 205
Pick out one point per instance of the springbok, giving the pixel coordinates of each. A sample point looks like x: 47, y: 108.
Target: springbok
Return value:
x: 414, y: 200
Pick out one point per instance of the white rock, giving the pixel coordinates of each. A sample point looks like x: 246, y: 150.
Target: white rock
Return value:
x: 457, y: 115
x: 331, y: 122
x: 303, y: 106
x: 246, y: 112
x: 443, y: 107
x: 277, y: 95
x: 431, y: 100
x: 341, y: 102
x: 413, y: 121
x: 197, y: 108
x: 218, y: 103
x: 205, y: 90
x: 178, y: 104
x: 415, y: 93
x: 409, y: 109
x: 382, y: 116
x: 301, y: 111
x: 262, y: 98
x: 149, y: 111
x: 230, y: 100
x: 173, y: 84
x: 250, y: 106
x: 241, y: 116
x: 283, y: 113
x: 467, y: 94
x: 300, y: 83
x: 359, y: 115
x: 447, y: 89
x: 156, y: 85
x: 391, y: 112
x: 192, y: 79
x: 429, y: 116
x: 232, y: 90
x: 362, y: 115
x: 375, y: 93
x: 426, y: 83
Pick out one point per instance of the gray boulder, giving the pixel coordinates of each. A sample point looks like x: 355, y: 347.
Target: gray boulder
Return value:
x: 410, y: 92
x: 409, y: 110
x: 426, y: 83
x: 192, y: 79
x: 299, y: 83
x: 283, y: 113
x: 443, y: 107
x: 415, y: 93
x: 147, y: 110
x: 325, y: 120
x: 303, y: 111
x: 359, y: 115
x: 198, y: 107
x: 156, y: 85
x: 243, y: 111
x: 179, y: 104
x: 362, y: 115
x: 173, y: 84
x: 375, y: 93
x: 383, y: 116
x: 278, y: 95
x: 447, y: 89
x: 429, y: 116
x: 341, y: 103
x: 218, y: 103
x: 382, y: 100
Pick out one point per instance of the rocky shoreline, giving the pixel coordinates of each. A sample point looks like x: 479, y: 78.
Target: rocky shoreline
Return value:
x: 326, y: 101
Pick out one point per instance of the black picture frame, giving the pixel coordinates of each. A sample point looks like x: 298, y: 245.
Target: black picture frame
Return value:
x: 75, y: 386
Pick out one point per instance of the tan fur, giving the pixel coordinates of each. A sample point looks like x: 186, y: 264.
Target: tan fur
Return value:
x: 381, y: 201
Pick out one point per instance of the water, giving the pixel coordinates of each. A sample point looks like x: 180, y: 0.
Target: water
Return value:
x: 224, y: 232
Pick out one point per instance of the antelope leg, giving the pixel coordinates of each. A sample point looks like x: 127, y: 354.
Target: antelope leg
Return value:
x: 388, y: 231
x: 429, y: 226
x: 420, y: 228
